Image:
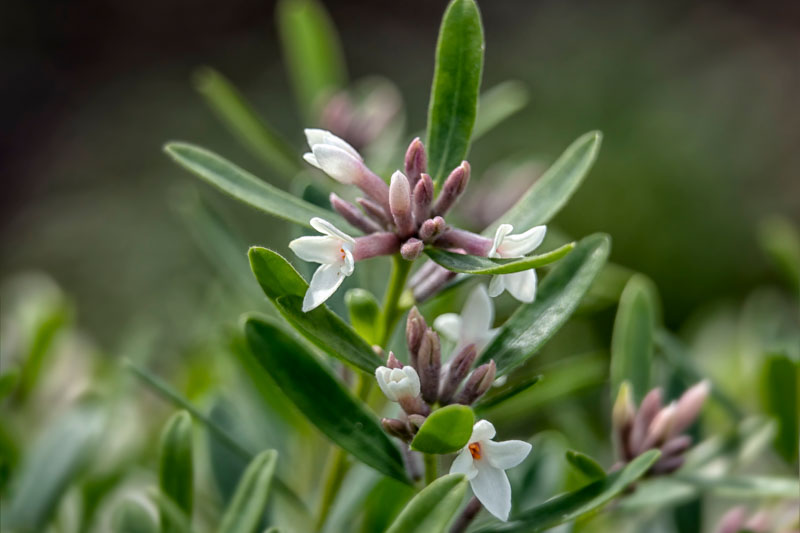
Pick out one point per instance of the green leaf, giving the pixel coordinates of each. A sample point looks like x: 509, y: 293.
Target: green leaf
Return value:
x: 496, y: 397
x: 585, y: 465
x: 533, y: 324
x: 780, y: 238
x: 632, y: 341
x: 572, y: 505
x: 8, y: 382
x: 431, y: 510
x: 446, y: 430
x: 286, y: 288
x: 241, y: 119
x: 383, y: 503
x: 779, y: 390
x: 178, y: 521
x: 130, y: 516
x: 497, y: 104
x: 176, y: 469
x: 247, y: 188
x: 320, y: 396
x: 312, y: 52
x: 551, y: 192
x: 244, y: 513
x: 456, y: 82
x: 741, y: 487
x: 474, y: 264
x: 365, y: 312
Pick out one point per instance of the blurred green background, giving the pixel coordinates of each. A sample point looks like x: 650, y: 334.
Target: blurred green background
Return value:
x: 697, y: 101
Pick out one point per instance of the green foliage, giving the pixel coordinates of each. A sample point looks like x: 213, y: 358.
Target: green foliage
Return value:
x: 431, y: 510
x: 286, y: 288
x: 383, y: 503
x: 178, y: 521
x: 474, y: 264
x: 782, y: 401
x: 531, y: 325
x: 632, y: 342
x: 131, y: 517
x: 246, y: 509
x: 456, y: 83
x: 446, y: 430
x: 585, y: 465
x: 497, y: 104
x: 320, y: 397
x: 365, y: 312
x: 176, y: 467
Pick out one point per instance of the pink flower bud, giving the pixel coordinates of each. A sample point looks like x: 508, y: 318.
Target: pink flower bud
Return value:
x: 422, y: 198
x: 429, y: 365
x: 375, y: 244
x: 689, y: 405
x: 353, y: 215
x: 478, y: 383
x: 415, y: 330
x: 397, y: 428
x: 648, y: 409
x: 400, y: 204
x: 456, y: 372
x: 392, y: 362
x: 375, y: 211
x: 466, y: 240
x: 453, y: 186
x: 412, y: 249
x: 431, y: 229
x: 416, y: 161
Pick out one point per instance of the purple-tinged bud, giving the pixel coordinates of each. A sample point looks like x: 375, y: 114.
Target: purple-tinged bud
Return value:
x: 427, y: 287
x: 375, y: 244
x: 415, y: 331
x: 667, y: 465
x: 431, y: 229
x: 400, y: 204
x: 413, y: 405
x: 478, y: 383
x: 412, y: 249
x: 470, y: 242
x: 392, y: 362
x: 676, y: 446
x: 416, y: 421
x: 416, y: 161
x: 659, y: 428
x: 689, y: 405
x: 453, y: 186
x: 375, y: 211
x: 397, y: 428
x: 429, y: 366
x: 422, y: 198
x: 456, y: 372
x: 648, y: 409
x: 732, y: 521
x: 761, y: 523
x: 353, y: 215
x: 622, y: 417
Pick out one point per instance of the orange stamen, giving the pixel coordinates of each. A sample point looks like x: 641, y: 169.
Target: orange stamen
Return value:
x: 475, y: 450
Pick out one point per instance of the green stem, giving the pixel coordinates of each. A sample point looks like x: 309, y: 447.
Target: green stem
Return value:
x: 431, y: 468
x: 391, y: 311
x: 336, y: 472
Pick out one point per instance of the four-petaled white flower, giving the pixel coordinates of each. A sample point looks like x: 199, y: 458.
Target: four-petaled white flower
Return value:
x: 334, y: 250
x: 398, y: 383
x: 484, y: 462
x: 333, y: 155
x: 521, y: 285
x: 473, y: 325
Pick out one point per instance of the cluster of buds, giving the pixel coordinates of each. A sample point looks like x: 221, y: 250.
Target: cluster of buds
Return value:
x: 403, y: 217
x: 654, y: 426
x: 783, y: 519
x: 425, y: 382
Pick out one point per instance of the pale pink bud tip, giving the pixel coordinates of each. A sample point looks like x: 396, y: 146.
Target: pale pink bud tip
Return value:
x: 412, y: 249
x: 416, y: 160
x: 400, y: 204
x: 453, y: 186
x: 392, y: 361
x: 422, y: 198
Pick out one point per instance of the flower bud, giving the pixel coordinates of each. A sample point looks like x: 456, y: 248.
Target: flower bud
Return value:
x: 676, y: 446
x: 429, y: 364
x: 667, y: 465
x: 435, y: 280
x: 400, y: 204
x: 432, y: 228
x: 392, y: 362
x: 456, y: 372
x: 422, y: 198
x: 416, y: 421
x: 688, y: 407
x: 397, y: 428
x: 624, y: 410
x: 415, y: 330
x: 659, y: 428
x: 453, y: 186
x: 648, y: 409
x: 398, y: 383
x: 416, y: 161
x: 353, y: 215
x: 375, y: 211
x: 412, y: 249
x: 732, y: 521
x: 478, y: 383
x: 375, y: 244
x: 470, y: 242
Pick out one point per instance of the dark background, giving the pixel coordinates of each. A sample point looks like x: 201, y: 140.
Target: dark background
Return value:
x: 697, y: 101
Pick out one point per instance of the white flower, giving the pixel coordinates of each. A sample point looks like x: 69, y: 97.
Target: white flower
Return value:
x: 484, y: 462
x: 521, y: 285
x: 334, y: 156
x: 398, y: 383
x: 335, y: 253
x: 473, y: 325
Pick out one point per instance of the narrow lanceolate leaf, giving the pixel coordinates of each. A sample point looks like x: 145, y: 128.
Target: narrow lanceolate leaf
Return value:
x: 312, y: 51
x: 497, y: 104
x: 247, y: 188
x: 446, y: 430
x: 431, y: 510
x: 286, y: 288
x: 474, y: 264
x: 456, y: 82
x: 533, y: 324
x: 573, y: 505
x: 780, y: 396
x: 175, y: 466
x: 239, y: 116
x: 496, y: 397
x: 551, y: 192
x: 364, y: 313
x: 585, y: 465
x: 179, y: 522
x: 130, y: 516
x: 632, y: 341
x: 244, y: 513
x: 744, y: 487
x: 322, y: 399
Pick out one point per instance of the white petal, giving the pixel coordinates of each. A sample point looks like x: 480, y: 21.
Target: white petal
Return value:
x: 492, y: 488
x: 323, y: 250
x: 519, y: 245
x: 382, y: 374
x: 349, y: 262
x: 464, y: 464
x: 413, y: 379
x: 499, y: 237
x: 506, y: 454
x: 521, y: 285
x: 496, y: 286
x: 325, y: 227
x: 314, y: 136
x: 333, y: 140
x: 482, y: 430
x: 323, y: 284
x: 477, y: 315
x: 311, y: 160
x: 338, y: 163
x: 449, y: 325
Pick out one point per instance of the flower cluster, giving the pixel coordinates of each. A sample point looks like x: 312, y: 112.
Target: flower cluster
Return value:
x: 403, y: 217
x: 654, y: 426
